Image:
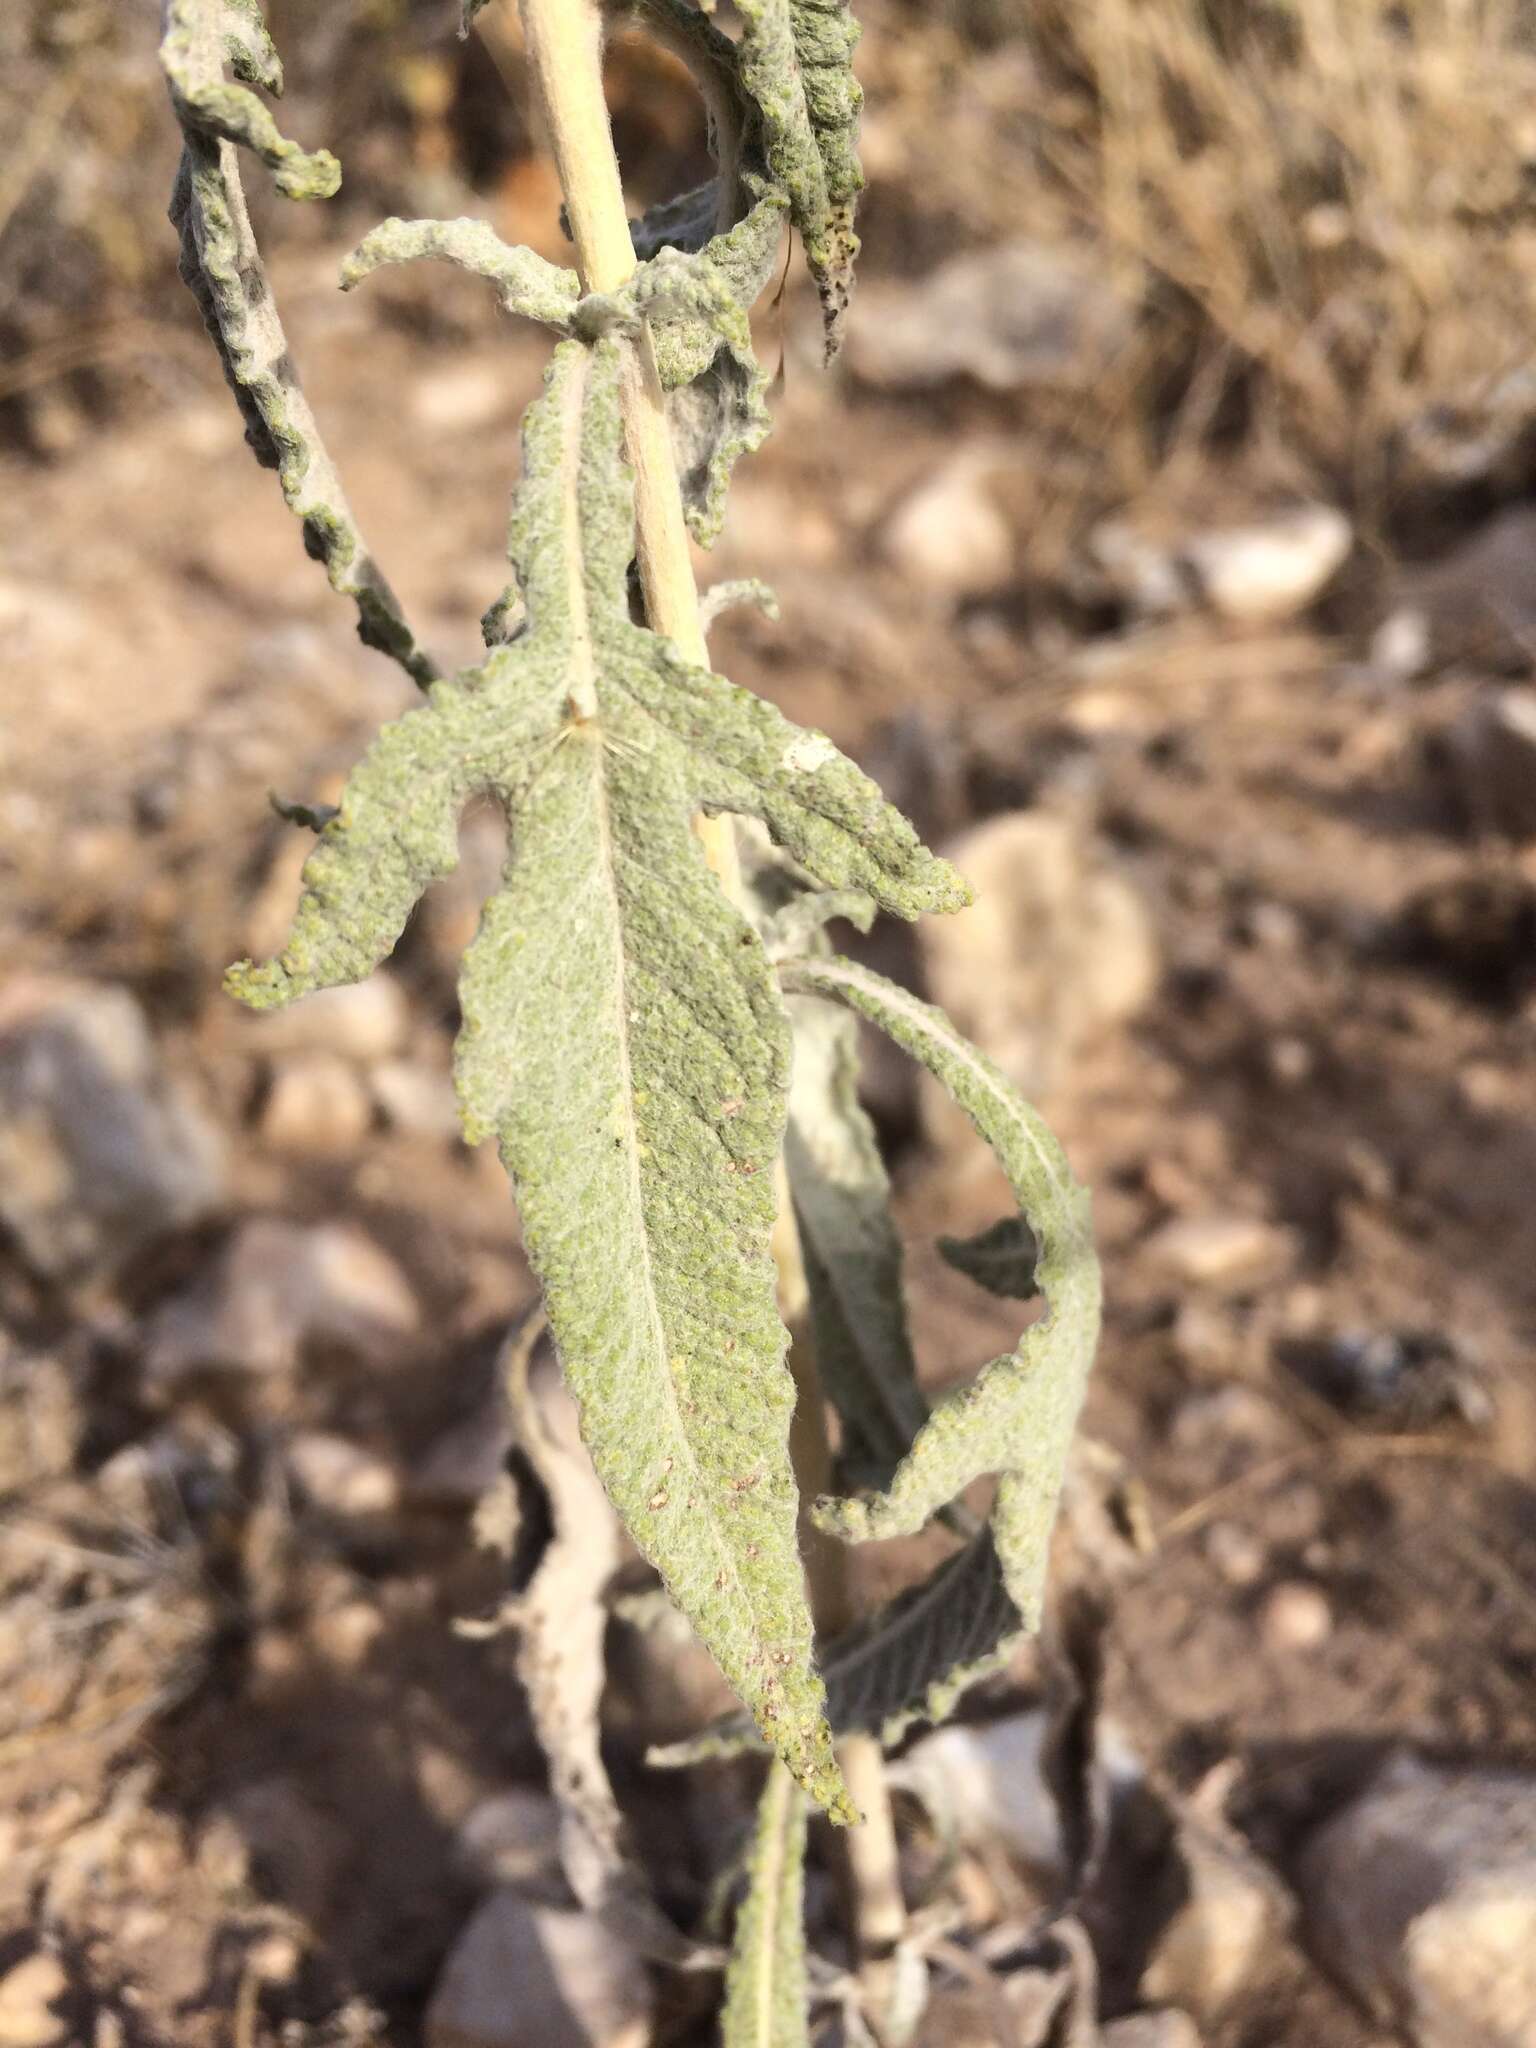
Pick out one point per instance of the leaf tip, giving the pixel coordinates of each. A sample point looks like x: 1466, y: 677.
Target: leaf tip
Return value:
x: 258, y: 988
x: 843, y: 1813
x: 309, y: 175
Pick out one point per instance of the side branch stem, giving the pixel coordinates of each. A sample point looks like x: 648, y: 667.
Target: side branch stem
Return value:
x: 565, y: 55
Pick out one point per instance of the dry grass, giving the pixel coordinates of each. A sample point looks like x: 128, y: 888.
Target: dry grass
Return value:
x: 1325, y: 208
x: 1328, y: 207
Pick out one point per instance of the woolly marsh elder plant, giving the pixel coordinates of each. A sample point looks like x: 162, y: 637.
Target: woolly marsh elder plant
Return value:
x: 656, y: 1030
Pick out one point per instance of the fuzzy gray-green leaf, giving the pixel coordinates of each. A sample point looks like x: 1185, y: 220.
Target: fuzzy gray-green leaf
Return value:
x: 1003, y: 1258
x: 908, y: 1663
x: 765, y: 1985
x: 1016, y: 1419
x: 696, y: 308
x: 852, y: 1253
x: 716, y: 388
x: 826, y: 813
x: 734, y: 595
x: 527, y: 285
x: 796, y: 65
x: 199, y: 37
x: 222, y: 266
x: 623, y: 1036
x: 695, y: 305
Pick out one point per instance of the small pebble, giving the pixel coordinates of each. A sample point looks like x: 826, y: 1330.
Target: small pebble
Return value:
x: 1274, y: 927
x: 340, y: 1477
x: 416, y: 1098
x: 28, y: 1992
x: 1236, y: 1553
x: 948, y: 536
x: 361, y: 1020
x: 274, y: 1957
x: 1217, y: 1422
x: 1289, y: 1061
x: 316, y: 1104
x: 1221, y: 1252
x: 1271, y: 571
x: 1296, y: 1617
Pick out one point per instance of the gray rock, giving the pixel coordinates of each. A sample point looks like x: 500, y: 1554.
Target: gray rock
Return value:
x: 1021, y: 313
x: 513, y: 1838
x: 416, y: 1098
x: 362, y: 1020
x: 1478, y: 603
x: 1233, y: 1913
x: 100, y: 1151
x: 1490, y: 753
x: 983, y: 1786
x: 277, y: 1290
x: 316, y: 1103
x: 1057, y: 949
x: 1226, y: 1254
x: 29, y: 1992
x: 531, y: 1976
x: 340, y: 1477
x: 1421, y: 1896
x: 947, y: 536
x: 460, y: 1466
x: 1167, y: 2029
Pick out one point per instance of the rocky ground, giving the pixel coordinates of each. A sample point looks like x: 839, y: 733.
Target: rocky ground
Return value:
x: 1248, y: 787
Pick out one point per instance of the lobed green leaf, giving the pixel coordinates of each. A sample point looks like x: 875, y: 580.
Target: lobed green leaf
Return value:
x: 623, y: 1037
x: 827, y: 814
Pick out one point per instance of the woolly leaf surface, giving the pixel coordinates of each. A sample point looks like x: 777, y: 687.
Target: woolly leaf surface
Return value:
x: 623, y: 1037
x: 765, y: 1984
x: 908, y: 1663
x: 1016, y: 1419
x: 222, y: 266
x: 695, y: 305
x: 1001, y: 1258
x: 851, y: 1250
x: 796, y: 66
x: 526, y: 283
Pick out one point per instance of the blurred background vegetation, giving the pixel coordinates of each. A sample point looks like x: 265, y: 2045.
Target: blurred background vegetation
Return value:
x: 1323, y: 211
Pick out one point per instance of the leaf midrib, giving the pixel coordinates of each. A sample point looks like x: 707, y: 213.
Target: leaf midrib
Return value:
x: 780, y: 1790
